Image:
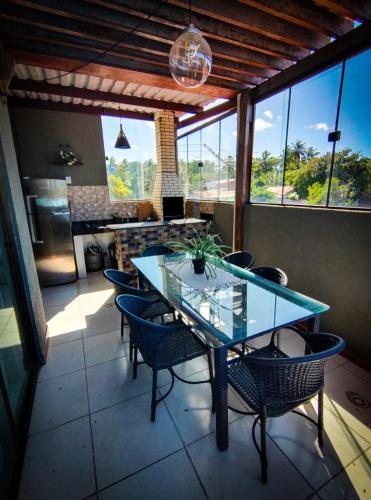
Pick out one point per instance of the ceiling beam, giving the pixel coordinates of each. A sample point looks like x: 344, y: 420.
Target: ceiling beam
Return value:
x: 177, y: 17
x: 209, y: 113
x: 353, y: 9
x: 252, y: 19
x: 304, y: 14
x: 77, y: 108
x: 101, y: 16
x: 113, y: 72
x: 346, y: 46
x: 96, y: 95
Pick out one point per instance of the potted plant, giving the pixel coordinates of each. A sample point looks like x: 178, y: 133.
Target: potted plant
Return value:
x: 201, y: 249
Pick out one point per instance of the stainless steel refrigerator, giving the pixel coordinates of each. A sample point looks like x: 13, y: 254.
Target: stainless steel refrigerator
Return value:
x: 49, y: 221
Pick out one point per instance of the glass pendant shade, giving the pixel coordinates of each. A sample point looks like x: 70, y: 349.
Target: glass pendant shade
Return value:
x: 121, y: 141
x: 190, y: 58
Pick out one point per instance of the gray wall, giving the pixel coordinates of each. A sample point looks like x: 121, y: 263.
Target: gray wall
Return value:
x: 10, y: 178
x: 327, y: 255
x: 223, y: 222
x: 38, y: 133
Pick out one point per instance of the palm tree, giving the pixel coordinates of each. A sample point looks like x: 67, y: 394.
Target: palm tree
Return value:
x: 299, y: 150
x: 311, y: 153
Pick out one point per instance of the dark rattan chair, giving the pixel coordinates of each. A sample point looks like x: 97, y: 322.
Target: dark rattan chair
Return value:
x: 273, y: 384
x: 156, y: 250
x: 122, y: 282
x: 161, y: 346
x: 241, y: 259
x: 272, y: 274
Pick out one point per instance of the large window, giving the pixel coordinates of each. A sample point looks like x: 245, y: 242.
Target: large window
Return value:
x: 207, y: 161
x: 295, y: 158
x: 130, y: 172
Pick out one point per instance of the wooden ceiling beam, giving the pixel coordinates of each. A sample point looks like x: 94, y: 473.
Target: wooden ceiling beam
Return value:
x: 353, y: 9
x: 304, y: 14
x: 77, y: 108
x: 96, y: 95
x: 177, y: 17
x: 209, y: 113
x: 252, y: 19
x: 114, y: 73
x: 346, y: 46
x: 101, y: 16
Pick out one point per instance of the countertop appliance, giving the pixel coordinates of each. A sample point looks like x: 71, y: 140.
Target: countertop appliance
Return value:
x: 49, y: 221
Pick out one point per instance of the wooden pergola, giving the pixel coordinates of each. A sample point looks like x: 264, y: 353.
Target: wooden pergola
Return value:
x: 111, y: 57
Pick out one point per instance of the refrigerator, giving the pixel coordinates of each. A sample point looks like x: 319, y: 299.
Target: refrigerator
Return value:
x: 49, y: 221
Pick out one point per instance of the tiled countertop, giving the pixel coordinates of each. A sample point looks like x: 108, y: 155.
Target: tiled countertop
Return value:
x: 138, y: 225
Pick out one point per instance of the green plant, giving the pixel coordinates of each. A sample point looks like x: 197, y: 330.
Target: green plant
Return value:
x: 201, y: 248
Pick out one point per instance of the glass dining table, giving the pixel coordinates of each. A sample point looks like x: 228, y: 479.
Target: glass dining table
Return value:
x: 229, y: 307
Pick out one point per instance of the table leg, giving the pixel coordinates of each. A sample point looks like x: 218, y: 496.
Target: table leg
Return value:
x: 221, y: 397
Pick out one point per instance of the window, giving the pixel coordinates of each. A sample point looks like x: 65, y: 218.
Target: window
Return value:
x: 294, y: 160
x: 207, y: 161
x: 130, y: 172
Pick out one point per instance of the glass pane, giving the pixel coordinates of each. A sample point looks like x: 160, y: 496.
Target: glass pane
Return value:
x: 351, y: 178
x: 313, y: 107
x: 228, y: 138
x: 7, y: 451
x: 210, y: 170
x: 182, y: 152
x: 130, y: 172
x: 268, y: 149
x: 194, y: 171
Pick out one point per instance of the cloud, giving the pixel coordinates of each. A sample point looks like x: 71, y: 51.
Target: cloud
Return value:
x: 269, y: 114
x: 234, y: 133
x: 261, y: 124
x: 279, y: 117
x: 134, y: 147
x: 319, y: 126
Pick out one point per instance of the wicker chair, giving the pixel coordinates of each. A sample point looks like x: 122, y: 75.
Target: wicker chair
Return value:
x: 272, y: 274
x: 161, y: 346
x: 156, y: 250
x: 241, y: 259
x: 158, y: 305
x: 273, y: 384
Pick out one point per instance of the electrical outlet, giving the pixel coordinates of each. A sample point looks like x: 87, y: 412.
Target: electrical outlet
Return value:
x: 69, y: 179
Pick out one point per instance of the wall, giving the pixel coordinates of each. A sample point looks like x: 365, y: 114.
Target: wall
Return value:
x: 11, y: 184
x: 223, y: 222
x: 327, y: 255
x: 38, y: 133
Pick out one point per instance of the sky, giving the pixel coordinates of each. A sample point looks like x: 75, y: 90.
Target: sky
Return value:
x: 313, y: 111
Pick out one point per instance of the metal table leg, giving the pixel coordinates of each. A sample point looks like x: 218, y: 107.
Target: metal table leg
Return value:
x: 221, y: 397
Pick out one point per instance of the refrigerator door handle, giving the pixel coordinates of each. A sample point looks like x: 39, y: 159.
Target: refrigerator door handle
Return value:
x: 28, y: 202
x: 33, y: 231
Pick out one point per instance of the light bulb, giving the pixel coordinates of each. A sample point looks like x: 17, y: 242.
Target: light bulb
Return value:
x: 190, y: 58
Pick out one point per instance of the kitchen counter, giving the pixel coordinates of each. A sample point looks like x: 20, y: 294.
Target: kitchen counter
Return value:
x: 137, y: 225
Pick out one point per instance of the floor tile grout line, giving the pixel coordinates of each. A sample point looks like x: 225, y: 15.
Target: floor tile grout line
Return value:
x: 60, y: 375
x: 90, y: 424
x: 58, y: 426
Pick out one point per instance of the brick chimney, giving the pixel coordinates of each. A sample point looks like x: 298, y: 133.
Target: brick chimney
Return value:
x: 167, y: 183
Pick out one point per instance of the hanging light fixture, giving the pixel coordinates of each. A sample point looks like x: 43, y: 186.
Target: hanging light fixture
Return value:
x: 121, y: 141
x: 190, y: 57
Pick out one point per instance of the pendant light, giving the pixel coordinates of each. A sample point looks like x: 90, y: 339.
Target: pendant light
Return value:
x: 121, y: 141
x: 190, y: 57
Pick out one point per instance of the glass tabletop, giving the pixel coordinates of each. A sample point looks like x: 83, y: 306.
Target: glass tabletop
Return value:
x: 241, y: 307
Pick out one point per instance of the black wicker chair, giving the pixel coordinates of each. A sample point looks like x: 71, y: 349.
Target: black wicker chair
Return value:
x: 156, y: 250
x: 272, y: 274
x: 241, y: 259
x: 273, y: 384
x: 161, y: 346
x: 122, y: 280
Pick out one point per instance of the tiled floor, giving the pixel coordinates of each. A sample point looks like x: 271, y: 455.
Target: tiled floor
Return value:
x: 91, y: 437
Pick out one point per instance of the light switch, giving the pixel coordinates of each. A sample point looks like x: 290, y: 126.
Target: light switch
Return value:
x: 69, y: 179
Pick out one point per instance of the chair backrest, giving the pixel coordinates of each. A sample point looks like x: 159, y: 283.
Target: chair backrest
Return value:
x: 156, y: 250
x: 120, y: 280
x: 146, y: 336
x: 285, y: 381
x: 273, y: 274
x: 241, y: 259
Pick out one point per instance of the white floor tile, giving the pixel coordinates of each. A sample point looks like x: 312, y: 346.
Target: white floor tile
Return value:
x: 184, y: 370
x: 64, y: 323
x: 112, y: 382
x: 360, y: 372
x: 59, y: 464
x: 62, y: 359
x: 106, y: 319
x: 235, y: 472
x: 297, y: 438
x: 105, y: 347
x: 353, y: 483
x: 59, y: 400
x: 171, y: 478
x: 125, y: 440
x: 63, y: 295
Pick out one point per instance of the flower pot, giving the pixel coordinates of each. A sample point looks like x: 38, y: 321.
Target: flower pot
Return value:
x: 198, y: 266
